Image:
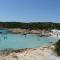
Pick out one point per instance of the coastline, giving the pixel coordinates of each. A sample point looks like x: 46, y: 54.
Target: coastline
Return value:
x: 42, y: 53
x: 38, y: 32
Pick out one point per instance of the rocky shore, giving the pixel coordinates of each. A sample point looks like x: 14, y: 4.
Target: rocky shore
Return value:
x: 26, y: 31
x: 42, y: 53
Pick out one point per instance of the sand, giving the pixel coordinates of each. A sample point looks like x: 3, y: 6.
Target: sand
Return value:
x: 42, y: 53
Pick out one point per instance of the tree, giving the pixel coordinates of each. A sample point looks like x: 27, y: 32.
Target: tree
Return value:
x: 57, y: 47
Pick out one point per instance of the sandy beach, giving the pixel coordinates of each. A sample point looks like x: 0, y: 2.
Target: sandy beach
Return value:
x: 42, y: 53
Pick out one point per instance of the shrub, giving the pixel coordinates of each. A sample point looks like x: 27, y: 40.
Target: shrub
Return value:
x: 57, y: 47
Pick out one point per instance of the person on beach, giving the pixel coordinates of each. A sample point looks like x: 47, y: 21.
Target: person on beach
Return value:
x: 57, y: 34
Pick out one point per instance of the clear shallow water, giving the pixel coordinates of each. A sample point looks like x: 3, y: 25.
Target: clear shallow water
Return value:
x: 18, y: 41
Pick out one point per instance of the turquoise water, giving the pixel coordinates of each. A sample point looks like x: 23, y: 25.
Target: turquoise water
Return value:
x: 18, y: 41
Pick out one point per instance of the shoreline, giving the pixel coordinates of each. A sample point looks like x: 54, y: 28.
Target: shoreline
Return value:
x: 41, y: 53
x: 41, y: 33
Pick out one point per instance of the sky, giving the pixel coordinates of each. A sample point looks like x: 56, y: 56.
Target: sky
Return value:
x: 30, y: 10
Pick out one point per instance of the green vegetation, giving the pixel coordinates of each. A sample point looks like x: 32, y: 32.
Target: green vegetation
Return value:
x: 57, y: 47
x: 31, y: 25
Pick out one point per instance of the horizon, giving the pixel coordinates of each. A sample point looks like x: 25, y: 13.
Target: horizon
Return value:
x: 30, y: 11
x: 27, y: 22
